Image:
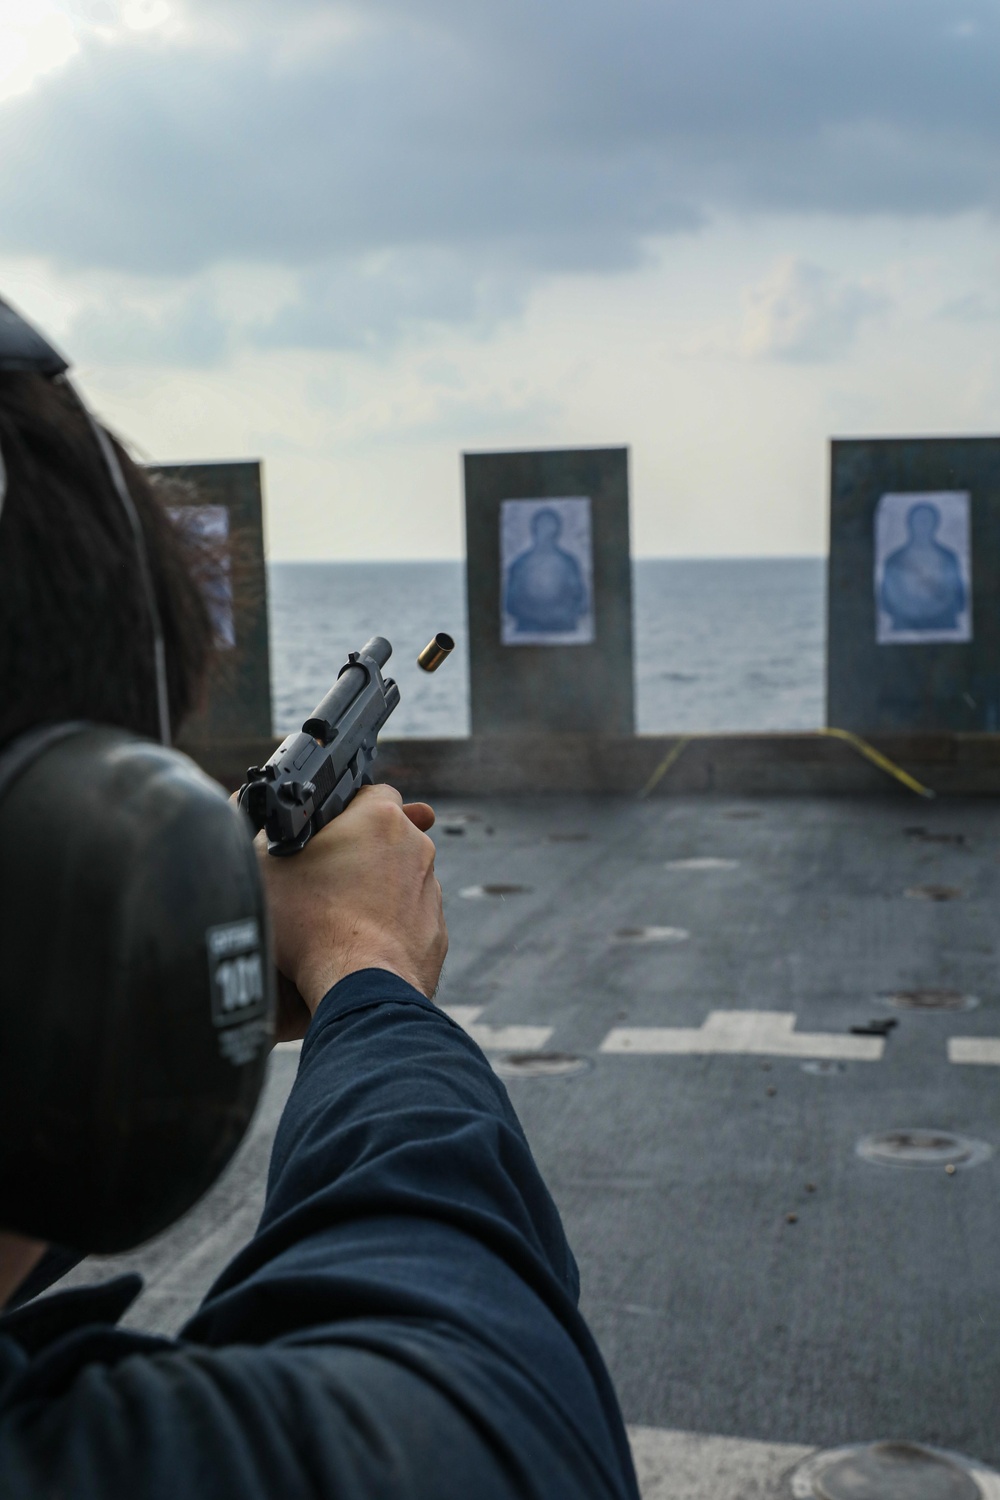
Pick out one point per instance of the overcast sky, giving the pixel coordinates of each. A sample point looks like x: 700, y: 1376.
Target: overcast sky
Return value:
x: 356, y: 240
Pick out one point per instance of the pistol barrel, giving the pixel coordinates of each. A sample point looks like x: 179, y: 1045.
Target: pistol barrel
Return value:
x: 378, y: 649
x: 352, y: 681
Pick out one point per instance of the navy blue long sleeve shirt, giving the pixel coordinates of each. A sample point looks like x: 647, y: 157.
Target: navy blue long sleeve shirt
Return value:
x: 404, y: 1322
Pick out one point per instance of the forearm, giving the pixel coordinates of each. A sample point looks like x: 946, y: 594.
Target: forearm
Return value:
x: 405, y: 1215
x: 395, y: 1109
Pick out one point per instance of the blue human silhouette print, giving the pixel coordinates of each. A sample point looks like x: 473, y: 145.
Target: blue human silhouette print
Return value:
x: 545, y: 588
x: 547, y: 569
x: 923, y: 568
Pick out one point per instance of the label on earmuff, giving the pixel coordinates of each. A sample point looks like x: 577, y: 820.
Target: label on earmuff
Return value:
x: 239, y: 996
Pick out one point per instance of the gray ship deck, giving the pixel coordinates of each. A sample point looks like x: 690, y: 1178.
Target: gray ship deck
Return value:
x: 758, y: 1288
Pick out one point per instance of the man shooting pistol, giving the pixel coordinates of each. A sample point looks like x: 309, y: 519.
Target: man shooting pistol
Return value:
x: 403, y: 1323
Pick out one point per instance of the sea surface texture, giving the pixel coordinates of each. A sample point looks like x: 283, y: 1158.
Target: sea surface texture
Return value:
x: 720, y: 645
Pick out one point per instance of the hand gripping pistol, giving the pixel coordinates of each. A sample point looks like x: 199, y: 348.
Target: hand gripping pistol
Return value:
x: 313, y: 774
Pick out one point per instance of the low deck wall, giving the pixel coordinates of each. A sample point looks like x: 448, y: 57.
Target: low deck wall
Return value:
x: 730, y: 764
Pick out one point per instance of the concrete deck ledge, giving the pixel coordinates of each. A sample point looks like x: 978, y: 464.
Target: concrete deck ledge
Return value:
x: 728, y: 764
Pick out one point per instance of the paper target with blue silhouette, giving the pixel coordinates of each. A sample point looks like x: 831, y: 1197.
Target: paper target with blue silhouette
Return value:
x: 546, y: 572
x: 923, y: 568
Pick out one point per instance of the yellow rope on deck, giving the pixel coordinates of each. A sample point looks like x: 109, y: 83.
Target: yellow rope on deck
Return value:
x: 862, y: 746
x: 882, y: 761
x: 670, y: 759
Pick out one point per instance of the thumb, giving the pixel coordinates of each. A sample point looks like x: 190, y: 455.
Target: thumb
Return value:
x: 420, y: 815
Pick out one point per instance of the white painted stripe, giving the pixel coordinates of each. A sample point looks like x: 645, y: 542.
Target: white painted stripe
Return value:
x: 703, y: 862
x: 718, y: 1034
x: 975, y: 1049
x: 750, y: 1033
x: 755, y: 1033
x: 692, y: 1466
x: 652, y: 935
x: 498, y: 1038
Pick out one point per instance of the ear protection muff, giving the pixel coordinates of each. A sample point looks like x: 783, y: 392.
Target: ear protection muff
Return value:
x: 136, y: 985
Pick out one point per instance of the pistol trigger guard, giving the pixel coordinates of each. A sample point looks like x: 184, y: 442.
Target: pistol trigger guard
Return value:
x: 282, y: 847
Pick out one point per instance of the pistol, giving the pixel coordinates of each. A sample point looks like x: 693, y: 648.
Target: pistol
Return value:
x: 313, y: 774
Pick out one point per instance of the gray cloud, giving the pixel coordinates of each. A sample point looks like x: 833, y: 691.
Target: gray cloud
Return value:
x: 973, y: 307
x: 513, y: 140
x: 339, y: 304
x: 186, y: 329
x: 368, y: 305
x: 804, y: 313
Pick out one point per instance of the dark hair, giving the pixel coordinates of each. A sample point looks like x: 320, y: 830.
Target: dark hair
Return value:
x: 75, y: 637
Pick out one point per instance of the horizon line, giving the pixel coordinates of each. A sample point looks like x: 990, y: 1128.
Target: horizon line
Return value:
x: 636, y: 557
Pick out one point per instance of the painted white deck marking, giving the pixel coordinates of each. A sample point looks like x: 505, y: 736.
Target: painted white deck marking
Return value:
x: 703, y: 862
x: 975, y: 1049
x: 651, y: 935
x: 498, y: 1038
x: 765, y: 1033
x: 756, y: 1033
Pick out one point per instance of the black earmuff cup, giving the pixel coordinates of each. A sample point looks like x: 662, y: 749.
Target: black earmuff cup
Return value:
x: 138, y: 1005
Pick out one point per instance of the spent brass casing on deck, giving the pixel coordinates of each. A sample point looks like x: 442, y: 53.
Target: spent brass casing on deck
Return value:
x: 435, y: 652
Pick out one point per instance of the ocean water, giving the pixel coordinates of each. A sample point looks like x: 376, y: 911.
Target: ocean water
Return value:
x: 733, y: 644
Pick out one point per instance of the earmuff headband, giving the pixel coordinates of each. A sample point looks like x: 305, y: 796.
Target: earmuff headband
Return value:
x: 114, y: 468
x: 23, y: 350
x: 19, y: 755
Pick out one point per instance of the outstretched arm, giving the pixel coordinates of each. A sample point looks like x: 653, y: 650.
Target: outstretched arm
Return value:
x: 405, y: 1214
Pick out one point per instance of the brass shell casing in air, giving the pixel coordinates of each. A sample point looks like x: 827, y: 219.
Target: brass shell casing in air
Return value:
x: 435, y: 652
